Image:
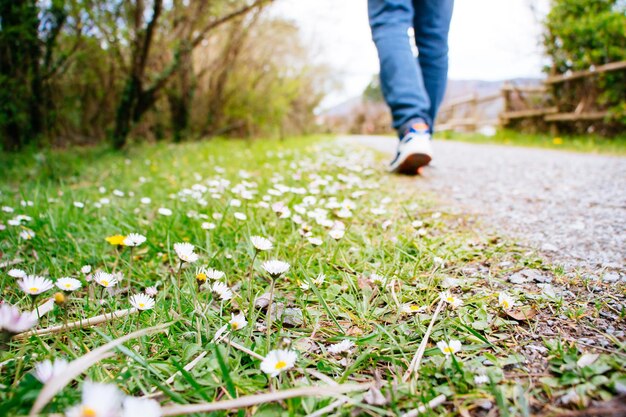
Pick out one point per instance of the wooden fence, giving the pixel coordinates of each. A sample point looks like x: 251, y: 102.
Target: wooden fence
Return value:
x: 529, y: 104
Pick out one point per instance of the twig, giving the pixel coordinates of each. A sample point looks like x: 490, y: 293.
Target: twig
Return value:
x: 77, y: 366
x: 243, y: 349
x: 188, y: 367
x: 330, y: 407
x: 44, y: 308
x: 325, y: 410
x: 417, y: 359
x: 250, y: 400
x: 435, y: 402
x: 92, y: 321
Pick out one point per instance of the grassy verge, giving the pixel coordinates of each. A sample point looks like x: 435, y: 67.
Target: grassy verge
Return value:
x: 588, y: 143
x: 369, y: 255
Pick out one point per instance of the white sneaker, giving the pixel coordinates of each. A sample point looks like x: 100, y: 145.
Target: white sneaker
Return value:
x: 414, y: 151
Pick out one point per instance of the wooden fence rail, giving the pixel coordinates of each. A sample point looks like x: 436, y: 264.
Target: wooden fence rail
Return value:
x: 525, y: 102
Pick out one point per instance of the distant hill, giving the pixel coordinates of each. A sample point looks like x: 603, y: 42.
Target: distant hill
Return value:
x: 455, y: 89
x: 460, y: 88
x: 358, y: 115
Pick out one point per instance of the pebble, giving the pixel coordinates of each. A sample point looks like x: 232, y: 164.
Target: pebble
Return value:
x: 549, y: 247
x: 611, y: 277
x: 293, y: 317
x: 528, y: 275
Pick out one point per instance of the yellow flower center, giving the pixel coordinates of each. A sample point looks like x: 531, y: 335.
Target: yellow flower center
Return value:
x: 450, y: 299
x: 68, y: 285
x: 141, y: 305
x: 88, y: 412
x: 201, y: 276
x: 234, y: 325
x: 505, y: 303
x: 116, y: 240
x: 280, y: 364
x: 33, y: 290
x: 59, y: 298
x: 414, y: 308
x: 448, y: 349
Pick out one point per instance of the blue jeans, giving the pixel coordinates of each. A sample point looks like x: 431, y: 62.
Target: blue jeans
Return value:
x: 413, y: 87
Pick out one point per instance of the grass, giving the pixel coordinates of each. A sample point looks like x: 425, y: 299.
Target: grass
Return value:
x: 392, y: 231
x: 587, y: 143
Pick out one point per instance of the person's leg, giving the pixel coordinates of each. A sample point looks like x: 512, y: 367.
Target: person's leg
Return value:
x: 432, y: 23
x: 400, y: 76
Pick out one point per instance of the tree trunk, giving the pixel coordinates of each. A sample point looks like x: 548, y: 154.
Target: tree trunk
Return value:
x: 125, y: 111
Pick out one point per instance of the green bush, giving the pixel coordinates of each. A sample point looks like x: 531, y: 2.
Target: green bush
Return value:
x: 581, y: 35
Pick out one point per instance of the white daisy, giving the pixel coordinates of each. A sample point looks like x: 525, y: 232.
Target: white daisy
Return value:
x: 152, y: 291
x: 46, y: 370
x: 214, y: 274
x: 377, y: 279
x: 344, y: 213
x: 240, y: 216
x: 34, y: 285
x: 222, y: 290
x: 12, y: 320
x: 275, y: 268
x: 341, y: 347
x: 278, y: 361
x: 142, y: 302
x: 17, y: 273
x: 238, y: 322
x: 185, y: 252
x: 27, y: 234
x: 417, y: 224
x: 105, y: 279
x: 144, y: 407
x: 409, y: 308
x: 315, y: 241
x: 145, y: 200
x: 505, y: 301
x: 79, y: 204
x: 85, y: 269
x: 134, y: 239
x: 448, y: 348
x: 319, y: 280
x: 68, y: 284
x: 208, y: 226
x: 337, y: 233
x: 261, y: 243
x: 164, y: 211
x: 98, y: 400
x: 449, y: 298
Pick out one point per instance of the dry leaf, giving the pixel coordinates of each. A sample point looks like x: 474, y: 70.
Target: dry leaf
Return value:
x: 522, y: 314
x: 363, y: 282
x: 374, y: 397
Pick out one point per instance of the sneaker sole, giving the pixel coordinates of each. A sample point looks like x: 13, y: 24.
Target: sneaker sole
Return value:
x: 412, y: 164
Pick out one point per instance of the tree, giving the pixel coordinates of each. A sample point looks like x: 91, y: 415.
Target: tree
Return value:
x: 190, y: 21
x: 31, y: 57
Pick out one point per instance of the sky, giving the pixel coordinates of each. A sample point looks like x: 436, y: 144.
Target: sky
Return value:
x: 489, y: 39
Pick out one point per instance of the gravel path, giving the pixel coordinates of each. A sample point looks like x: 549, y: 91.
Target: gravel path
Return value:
x: 569, y: 206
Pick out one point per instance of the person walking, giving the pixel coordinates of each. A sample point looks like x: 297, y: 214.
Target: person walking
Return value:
x: 413, y: 87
